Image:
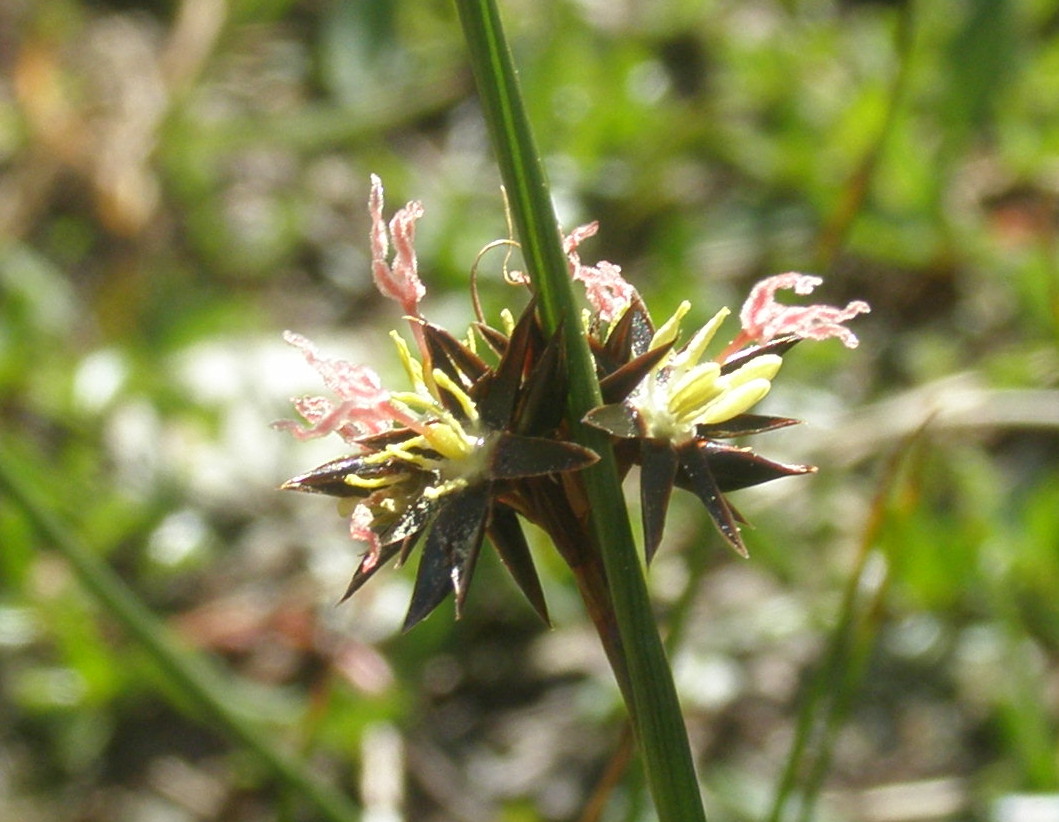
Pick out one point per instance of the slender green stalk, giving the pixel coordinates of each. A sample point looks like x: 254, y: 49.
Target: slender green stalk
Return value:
x: 188, y: 672
x: 651, y: 696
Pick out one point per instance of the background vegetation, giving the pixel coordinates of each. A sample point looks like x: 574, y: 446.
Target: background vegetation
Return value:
x: 179, y: 182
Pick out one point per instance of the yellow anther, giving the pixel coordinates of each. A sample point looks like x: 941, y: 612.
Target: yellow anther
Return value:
x: 448, y: 441
x: 693, y: 352
x: 735, y: 402
x: 446, y: 487
x: 373, y: 482
x: 764, y: 367
x: 696, y: 388
x: 507, y: 319
x: 669, y: 329
x: 411, y: 365
x: 466, y: 403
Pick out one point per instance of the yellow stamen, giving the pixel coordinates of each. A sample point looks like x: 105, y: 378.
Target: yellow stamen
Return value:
x: 446, y: 487
x: 734, y: 402
x: 466, y: 403
x: 669, y: 329
x: 411, y: 365
x: 764, y: 367
x: 695, y: 349
x: 371, y: 482
x: 507, y: 319
x: 695, y: 389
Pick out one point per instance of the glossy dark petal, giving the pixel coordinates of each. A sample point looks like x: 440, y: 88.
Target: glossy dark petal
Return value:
x: 659, y: 463
x: 617, y: 419
x: 367, y: 569
x: 452, y: 356
x: 496, y: 340
x: 698, y: 472
x: 410, y: 522
x: 497, y: 393
x: 617, y: 386
x: 377, y: 442
x: 632, y: 334
x: 330, y: 478
x: 780, y: 346
x: 450, y: 402
x: 737, y: 468
x: 450, y: 551
x: 543, y: 399
x: 514, y: 457
x: 743, y: 425
x: 506, y: 534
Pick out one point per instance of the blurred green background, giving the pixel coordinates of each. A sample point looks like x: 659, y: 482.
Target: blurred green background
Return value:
x: 181, y: 181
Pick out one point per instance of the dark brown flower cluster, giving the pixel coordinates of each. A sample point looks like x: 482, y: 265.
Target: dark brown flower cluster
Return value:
x: 479, y: 439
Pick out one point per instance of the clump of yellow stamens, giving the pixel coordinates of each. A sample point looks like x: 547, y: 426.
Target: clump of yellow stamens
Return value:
x: 682, y: 392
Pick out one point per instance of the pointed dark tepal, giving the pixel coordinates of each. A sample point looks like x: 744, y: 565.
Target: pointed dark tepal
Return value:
x: 702, y: 482
x: 506, y: 534
x: 496, y: 394
x: 514, y: 456
x: 330, y: 478
x: 449, y: 553
x: 735, y: 468
x: 452, y: 356
x: 780, y: 347
x: 366, y: 570
x: 658, y: 470
x: 617, y: 385
x: 742, y: 426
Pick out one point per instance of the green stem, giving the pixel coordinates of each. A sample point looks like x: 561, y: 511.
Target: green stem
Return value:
x: 188, y: 672
x: 651, y: 696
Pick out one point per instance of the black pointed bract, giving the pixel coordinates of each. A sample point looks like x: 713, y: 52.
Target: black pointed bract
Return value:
x: 450, y: 551
x: 617, y: 385
x: 458, y: 362
x: 658, y: 470
x: 701, y: 481
x: 505, y: 532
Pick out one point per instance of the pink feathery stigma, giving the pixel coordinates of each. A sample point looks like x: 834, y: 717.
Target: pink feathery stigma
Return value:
x: 606, y: 290
x: 364, y: 406
x: 765, y: 319
x: 323, y: 417
x: 360, y: 529
x: 572, y: 240
x: 401, y: 281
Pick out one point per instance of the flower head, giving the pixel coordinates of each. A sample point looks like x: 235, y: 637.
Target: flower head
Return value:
x: 479, y: 440
x: 437, y: 466
x: 678, y: 405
